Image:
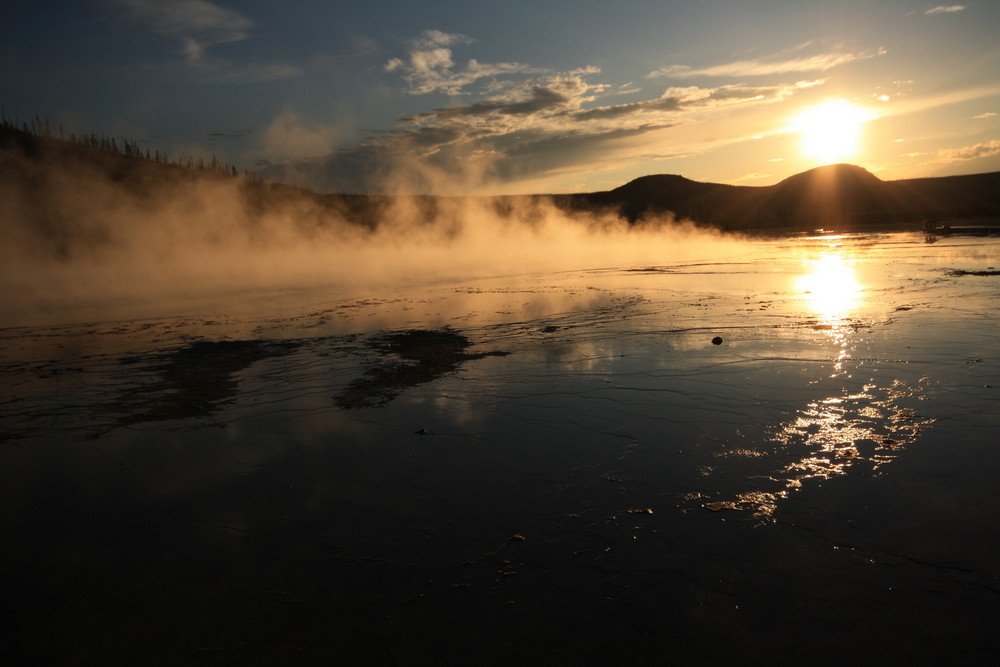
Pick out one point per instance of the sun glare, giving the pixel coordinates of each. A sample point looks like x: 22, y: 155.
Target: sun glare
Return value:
x: 830, y: 131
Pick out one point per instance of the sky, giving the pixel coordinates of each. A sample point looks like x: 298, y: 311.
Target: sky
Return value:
x: 519, y: 97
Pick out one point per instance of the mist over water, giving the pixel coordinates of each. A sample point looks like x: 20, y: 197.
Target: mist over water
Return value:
x: 79, y: 240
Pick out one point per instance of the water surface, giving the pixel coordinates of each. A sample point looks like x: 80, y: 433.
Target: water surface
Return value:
x: 784, y: 452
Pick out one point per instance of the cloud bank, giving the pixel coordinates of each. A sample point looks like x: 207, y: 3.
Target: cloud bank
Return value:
x: 510, y: 122
x: 430, y: 68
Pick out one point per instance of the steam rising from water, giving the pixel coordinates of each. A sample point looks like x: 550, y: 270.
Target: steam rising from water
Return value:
x: 78, y: 238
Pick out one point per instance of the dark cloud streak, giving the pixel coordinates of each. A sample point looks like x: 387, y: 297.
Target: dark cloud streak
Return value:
x: 197, y: 26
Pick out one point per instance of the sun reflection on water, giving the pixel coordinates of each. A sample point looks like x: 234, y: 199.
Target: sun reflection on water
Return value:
x: 831, y: 288
x: 828, y: 437
x: 855, y: 428
x: 839, y: 431
x: 833, y: 294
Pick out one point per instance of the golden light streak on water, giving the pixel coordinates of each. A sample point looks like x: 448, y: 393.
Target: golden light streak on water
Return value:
x: 831, y: 288
x: 833, y: 294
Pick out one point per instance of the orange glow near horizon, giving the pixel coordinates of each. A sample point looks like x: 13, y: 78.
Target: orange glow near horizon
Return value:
x: 830, y: 132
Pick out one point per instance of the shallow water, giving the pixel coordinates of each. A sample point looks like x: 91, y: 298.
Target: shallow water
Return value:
x: 616, y: 487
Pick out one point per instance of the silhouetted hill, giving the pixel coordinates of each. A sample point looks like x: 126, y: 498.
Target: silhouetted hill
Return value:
x: 654, y: 194
x: 839, y: 195
x: 831, y: 195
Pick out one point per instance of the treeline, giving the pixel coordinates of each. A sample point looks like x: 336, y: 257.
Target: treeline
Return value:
x: 41, y: 129
x: 47, y: 150
x: 63, y: 190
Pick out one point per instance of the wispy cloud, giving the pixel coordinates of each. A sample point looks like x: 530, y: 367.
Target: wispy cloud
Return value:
x: 944, y: 9
x: 983, y: 116
x: 195, y: 23
x: 785, y: 62
x: 430, y: 68
x: 917, y: 104
x: 985, y: 149
x: 197, y: 26
x: 677, y: 99
x: 751, y: 177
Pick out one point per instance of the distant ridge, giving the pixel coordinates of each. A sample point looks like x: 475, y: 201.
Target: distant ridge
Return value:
x: 840, y: 195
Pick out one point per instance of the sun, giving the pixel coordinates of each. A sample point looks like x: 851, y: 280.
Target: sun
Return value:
x: 830, y: 132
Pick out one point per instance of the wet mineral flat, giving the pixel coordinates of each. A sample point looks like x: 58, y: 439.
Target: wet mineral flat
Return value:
x: 555, y: 468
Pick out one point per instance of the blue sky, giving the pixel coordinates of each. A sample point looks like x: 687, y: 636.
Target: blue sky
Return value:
x: 492, y: 97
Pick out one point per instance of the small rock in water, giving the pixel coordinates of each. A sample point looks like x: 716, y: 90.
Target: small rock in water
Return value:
x: 422, y: 431
x: 717, y: 340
